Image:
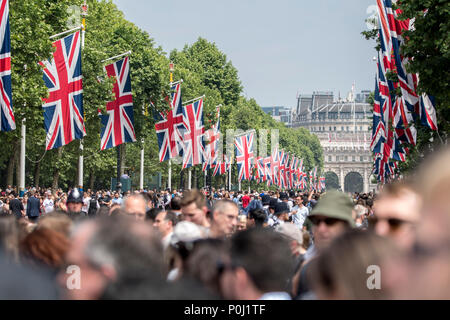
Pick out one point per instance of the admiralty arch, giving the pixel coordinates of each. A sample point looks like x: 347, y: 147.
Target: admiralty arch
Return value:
x: 344, y: 131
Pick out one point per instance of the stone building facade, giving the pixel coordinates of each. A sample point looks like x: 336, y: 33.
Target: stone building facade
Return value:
x: 344, y: 131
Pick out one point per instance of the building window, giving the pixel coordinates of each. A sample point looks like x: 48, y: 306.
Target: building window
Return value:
x: 329, y: 159
x: 345, y: 158
x: 334, y: 128
x: 353, y: 158
x: 361, y: 158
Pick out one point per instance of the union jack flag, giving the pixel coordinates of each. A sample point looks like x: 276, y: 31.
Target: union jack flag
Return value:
x: 118, y: 124
x: 221, y: 167
x: 267, y: 169
x: 7, y: 120
x: 275, y: 166
x: 260, y: 171
x: 168, y: 126
x: 63, y: 109
x: 211, y: 150
x: 281, y: 171
x: 244, y: 155
x: 194, y: 134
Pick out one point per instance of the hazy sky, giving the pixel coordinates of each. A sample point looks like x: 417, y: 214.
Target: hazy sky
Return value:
x: 279, y: 47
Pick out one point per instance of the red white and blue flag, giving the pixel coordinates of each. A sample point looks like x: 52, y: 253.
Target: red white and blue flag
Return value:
x: 275, y: 166
x: 193, y: 134
x: 118, y: 124
x: 7, y: 120
x: 221, y: 167
x: 63, y: 109
x: 212, y: 137
x: 169, y: 125
x: 244, y: 155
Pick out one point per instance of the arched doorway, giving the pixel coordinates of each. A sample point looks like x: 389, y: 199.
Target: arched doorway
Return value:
x: 353, y: 182
x: 331, y: 180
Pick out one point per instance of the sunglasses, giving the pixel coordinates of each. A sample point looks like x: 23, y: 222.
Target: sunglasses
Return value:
x: 393, y: 222
x: 328, y: 221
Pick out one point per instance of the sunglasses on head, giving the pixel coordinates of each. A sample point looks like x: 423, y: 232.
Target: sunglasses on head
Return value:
x: 328, y: 221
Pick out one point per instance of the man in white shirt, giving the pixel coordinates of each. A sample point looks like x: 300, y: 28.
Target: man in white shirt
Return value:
x: 48, y: 203
x: 86, y: 200
x: 299, y: 212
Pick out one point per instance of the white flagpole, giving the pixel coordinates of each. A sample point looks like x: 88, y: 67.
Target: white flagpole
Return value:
x: 190, y: 177
x: 22, y: 156
x: 81, y: 158
x: 22, y: 151
x: 66, y: 32
x: 118, y: 56
x: 141, y: 172
x: 192, y: 100
x: 169, y: 178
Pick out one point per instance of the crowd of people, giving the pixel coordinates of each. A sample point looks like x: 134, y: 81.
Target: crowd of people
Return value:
x: 218, y: 244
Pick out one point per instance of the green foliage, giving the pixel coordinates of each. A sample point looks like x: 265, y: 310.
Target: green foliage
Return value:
x: 203, y: 67
x: 427, y: 46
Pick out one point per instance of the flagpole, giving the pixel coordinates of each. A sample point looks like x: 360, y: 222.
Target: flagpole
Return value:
x: 22, y: 151
x: 81, y: 158
x: 192, y: 100
x: 118, y: 56
x: 169, y: 178
x: 189, y: 178
x: 229, y: 177
x: 141, y: 172
x: 22, y: 156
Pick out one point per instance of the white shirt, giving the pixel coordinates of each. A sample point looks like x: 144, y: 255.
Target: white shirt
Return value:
x: 85, y: 207
x: 48, y: 205
x: 166, y: 240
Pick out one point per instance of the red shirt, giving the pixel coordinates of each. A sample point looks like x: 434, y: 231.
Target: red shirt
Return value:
x: 245, y: 201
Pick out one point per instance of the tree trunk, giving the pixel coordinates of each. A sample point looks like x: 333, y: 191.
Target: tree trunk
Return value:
x: 11, y: 165
x: 122, y: 158
x: 91, y: 180
x: 56, y: 171
x: 37, y: 173
x: 194, y: 173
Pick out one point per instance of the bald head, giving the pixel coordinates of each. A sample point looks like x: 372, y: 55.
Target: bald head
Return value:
x: 136, y: 205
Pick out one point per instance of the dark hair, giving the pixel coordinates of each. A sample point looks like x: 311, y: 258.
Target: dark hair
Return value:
x: 152, y: 213
x: 258, y: 215
x: 175, y: 203
x: 171, y: 216
x: 266, y: 257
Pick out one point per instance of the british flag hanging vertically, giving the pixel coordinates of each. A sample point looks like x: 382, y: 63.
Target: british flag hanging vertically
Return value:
x: 194, y: 133
x: 244, y: 155
x: 7, y: 121
x: 63, y: 109
x: 168, y: 126
x: 118, y: 124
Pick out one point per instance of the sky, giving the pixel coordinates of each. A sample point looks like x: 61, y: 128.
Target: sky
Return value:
x: 280, y: 48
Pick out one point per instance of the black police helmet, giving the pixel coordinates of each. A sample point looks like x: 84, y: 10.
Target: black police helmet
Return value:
x: 75, y: 196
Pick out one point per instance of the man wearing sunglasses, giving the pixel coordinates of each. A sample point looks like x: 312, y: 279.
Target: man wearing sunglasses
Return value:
x: 331, y: 217
x: 396, y: 213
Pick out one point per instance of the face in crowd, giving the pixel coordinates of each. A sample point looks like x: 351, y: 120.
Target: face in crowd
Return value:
x: 135, y: 206
x: 397, y: 211
x: 225, y: 218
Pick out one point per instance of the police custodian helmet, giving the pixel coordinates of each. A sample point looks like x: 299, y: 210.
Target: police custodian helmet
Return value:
x: 75, y: 196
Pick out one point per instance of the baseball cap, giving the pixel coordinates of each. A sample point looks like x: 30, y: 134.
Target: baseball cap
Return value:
x: 291, y: 231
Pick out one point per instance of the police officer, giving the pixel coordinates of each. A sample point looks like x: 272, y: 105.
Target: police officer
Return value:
x: 74, y: 204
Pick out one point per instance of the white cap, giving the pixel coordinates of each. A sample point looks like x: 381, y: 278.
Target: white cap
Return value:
x: 186, y: 231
